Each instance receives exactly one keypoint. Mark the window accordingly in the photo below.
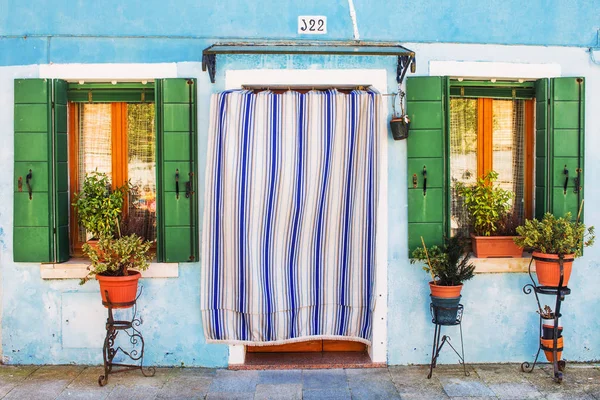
(119, 140)
(491, 134)
(42, 229)
(462, 128)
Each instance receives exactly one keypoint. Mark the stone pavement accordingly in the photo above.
(503, 381)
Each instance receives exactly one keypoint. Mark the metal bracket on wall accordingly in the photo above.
(209, 61)
(404, 62)
(406, 57)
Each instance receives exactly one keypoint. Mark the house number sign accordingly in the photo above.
(312, 25)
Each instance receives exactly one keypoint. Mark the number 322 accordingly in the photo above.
(313, 25)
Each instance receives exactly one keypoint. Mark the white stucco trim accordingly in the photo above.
(78, 268)
(377, 78)
(108, 72)
(497, 70)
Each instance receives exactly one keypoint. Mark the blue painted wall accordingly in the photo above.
(500, 323)
(112, 31)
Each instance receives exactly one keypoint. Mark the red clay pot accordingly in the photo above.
(549, 343)
(495, 246)
(548, 272)
(445, 291)
(121, 289)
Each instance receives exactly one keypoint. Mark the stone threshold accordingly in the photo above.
(326, 360)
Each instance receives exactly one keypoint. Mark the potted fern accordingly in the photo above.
(552, 240)
(489, 210)
(448, 267)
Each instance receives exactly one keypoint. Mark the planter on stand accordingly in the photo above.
(495, 246)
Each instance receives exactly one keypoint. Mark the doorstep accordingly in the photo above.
(317, 360)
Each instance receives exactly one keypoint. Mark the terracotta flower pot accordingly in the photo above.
(121, 289)
(445, 291)
(547, 268)
(549, 344)
(495, 246)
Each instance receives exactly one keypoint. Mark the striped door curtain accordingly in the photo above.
(290, 216)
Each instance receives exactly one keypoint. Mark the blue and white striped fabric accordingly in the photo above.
(289, 222)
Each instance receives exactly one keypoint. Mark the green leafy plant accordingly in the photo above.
(98, 207)
(554, 235)
(115, 257)
(448, 265)
(486, 204)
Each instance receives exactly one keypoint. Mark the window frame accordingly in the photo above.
(119, 157)
(485, 144)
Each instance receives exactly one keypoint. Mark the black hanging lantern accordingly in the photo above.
(400, 124)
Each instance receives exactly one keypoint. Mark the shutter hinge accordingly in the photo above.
(548, 101)
(52, 105)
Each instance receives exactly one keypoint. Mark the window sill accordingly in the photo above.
(76, 268)
(502, 265)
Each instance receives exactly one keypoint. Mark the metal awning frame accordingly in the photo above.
(405, 57)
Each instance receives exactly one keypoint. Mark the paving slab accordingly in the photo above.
(326, 394)
(226, 381)
(280, 377)
(465, 387)
(133, 392)
(515, 390)
(185, 386)
(412, 381)
(291, 391)
(324, 379)
(46, 382)
(500, 373)
(11, 376)
(230, 396)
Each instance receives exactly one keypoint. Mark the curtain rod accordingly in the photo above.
(306, 87)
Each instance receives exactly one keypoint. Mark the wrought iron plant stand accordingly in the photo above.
(128, 327)
(560, 292)
(439, 341)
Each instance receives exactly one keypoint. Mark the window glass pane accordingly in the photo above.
(463, 157)
(94, 144)
(508, 151)
(141, 170)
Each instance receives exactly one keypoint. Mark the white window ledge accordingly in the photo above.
(76, 268)
(502, 265)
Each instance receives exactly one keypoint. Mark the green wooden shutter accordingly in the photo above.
(177, 152)
(426, 100)
(542, 92)
(41, 222)
(566, 140)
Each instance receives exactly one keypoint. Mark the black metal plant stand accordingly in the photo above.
(439, 341)
(129, 327)
(560, 292)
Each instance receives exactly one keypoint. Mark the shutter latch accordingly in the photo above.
(424, 180)
(177, 183)
(28, 182)
(577, 181)
(566, 172)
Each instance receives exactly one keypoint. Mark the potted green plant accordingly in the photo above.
(448, 267)
(554, 240)
(489, 209)
(98, 207)
(116, 263)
